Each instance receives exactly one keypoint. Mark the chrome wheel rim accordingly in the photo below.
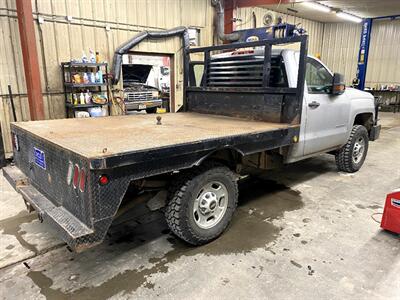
(358, 150)
(210, 204)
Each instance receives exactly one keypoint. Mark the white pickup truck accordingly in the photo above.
(340, 123)
(244, 109)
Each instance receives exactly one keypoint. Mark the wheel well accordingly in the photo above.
(228, 156)
(364, 119)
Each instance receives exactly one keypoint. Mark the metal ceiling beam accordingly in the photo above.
(251, 3)
(30, 58)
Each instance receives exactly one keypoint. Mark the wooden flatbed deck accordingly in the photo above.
(101, 137)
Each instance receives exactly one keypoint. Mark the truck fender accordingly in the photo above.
(363, 117)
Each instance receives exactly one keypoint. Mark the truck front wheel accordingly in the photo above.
(352, 155)
(202, 204)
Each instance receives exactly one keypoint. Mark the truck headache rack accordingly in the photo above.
(239, 85)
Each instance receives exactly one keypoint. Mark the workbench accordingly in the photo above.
(388, 100)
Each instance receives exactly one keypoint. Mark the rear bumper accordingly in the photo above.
(375, 132)
(69, 228)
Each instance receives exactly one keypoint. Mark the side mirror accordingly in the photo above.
(338, 84)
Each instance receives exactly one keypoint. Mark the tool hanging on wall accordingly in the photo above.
(12, 102)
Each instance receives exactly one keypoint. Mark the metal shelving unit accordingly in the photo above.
(70, 88)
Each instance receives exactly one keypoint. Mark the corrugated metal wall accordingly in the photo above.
(384, 56)
(314, 29)
(341, 44)
(59, 40)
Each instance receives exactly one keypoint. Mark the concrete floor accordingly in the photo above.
(302, 232)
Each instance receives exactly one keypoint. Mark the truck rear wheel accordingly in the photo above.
(202, 204)
(352, 155)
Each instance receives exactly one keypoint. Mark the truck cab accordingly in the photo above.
(328, 116)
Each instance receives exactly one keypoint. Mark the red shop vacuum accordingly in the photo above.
(391, 213)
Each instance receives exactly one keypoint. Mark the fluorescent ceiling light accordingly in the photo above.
(317, 6)
(348, 17)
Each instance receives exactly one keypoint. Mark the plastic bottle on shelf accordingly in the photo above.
(97, 77)
(82, 98)
(85, 78)
(97, 57)
(75, 99)
(84, 57)
(88, 97)
(100, 75)
(92, 56)
(92, 78)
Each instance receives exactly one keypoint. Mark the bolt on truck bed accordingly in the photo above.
(75, 172)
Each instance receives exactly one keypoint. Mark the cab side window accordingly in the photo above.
(318, 78)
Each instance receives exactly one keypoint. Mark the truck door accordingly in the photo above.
(327, 114)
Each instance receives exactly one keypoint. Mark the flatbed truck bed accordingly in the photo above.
(95, 138)
(125, 149)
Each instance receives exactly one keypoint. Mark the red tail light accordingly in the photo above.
(103, 180)
(75, 180)
(82, 181)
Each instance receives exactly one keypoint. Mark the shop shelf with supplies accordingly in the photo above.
(84, 79)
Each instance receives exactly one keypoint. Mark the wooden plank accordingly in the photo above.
(115, 133)
(3, 60)
(100, 36)
(132, 13)
(11, 4)
(3, 3)
(44, 6)
(74, 29)
(51, 56)
(41, 57)
(58, 106)
(121, 17)
(5, 127)
(46, 107)
(19, 85)
(25, 115)
(8, 73)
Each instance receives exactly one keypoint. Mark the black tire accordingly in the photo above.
(151, 110)
(344, 157)
(179, 211)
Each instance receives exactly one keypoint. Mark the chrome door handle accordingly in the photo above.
(313, 104)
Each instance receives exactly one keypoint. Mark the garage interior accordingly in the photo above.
(86, 74)
(147, 79)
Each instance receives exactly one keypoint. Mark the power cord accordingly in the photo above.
(372, 217)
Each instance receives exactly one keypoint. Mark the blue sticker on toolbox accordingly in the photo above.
(40, 158)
